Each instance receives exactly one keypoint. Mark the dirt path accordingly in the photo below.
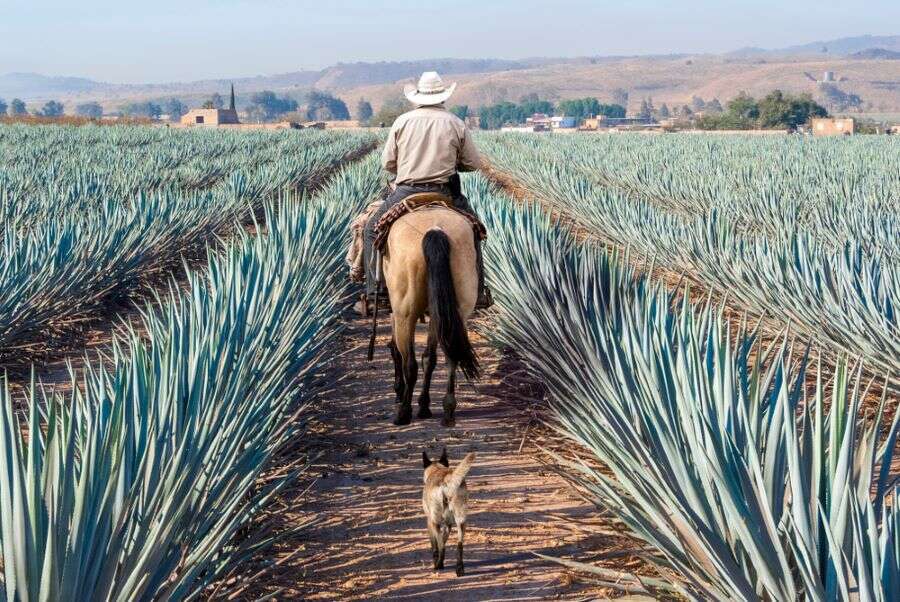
(370, 541)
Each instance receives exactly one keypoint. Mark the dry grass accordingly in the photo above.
(669, 80)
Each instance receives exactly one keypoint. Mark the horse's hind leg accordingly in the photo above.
(404, 332)
(450, 398)
(429, 360)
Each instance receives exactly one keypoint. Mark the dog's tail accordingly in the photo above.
(455, 479)
(442, 305)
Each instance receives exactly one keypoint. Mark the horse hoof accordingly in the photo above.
(460, 571)
(449, 422)
(424, 412)
(404, 416)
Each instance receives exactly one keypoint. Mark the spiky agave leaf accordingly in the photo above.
(77, 235)
(813, 251)
(710, 463)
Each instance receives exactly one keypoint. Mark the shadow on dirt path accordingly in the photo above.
(365, 492)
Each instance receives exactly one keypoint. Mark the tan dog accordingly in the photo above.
(444, 500)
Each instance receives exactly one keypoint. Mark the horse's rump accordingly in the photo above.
(403, 254)
(409, 229)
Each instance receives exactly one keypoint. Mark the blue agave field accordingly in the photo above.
(745, 434)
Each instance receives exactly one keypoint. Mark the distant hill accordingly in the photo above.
(30, 85)
(877, 54)
(846, 46)
(351, 75)
(674, 81)
(859, 65)
(33, 86)
(837, 47)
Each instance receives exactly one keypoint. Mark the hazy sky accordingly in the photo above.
(167, 40)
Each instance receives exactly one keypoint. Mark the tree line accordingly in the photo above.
(776, 110)
(648, 110)
(509, 113)
(498, 114)
(17, 108)
(262, 106)
(94, 110)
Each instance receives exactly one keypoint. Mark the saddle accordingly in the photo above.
(418, 201)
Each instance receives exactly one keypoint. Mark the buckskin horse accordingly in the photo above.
(429, 264)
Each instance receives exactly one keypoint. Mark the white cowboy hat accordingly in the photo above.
(430, 90)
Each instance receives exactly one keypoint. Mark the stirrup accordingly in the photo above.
(384, 299)
(384, 302)
(365, 305)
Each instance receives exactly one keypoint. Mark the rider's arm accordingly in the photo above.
(389, 154)
(469, 159)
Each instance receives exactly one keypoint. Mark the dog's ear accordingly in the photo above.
(443, 459)
(425, 461)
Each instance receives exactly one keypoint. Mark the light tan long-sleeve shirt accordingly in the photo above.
(428, 145)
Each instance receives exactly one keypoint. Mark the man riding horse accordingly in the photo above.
(425, 150)
(429, 243)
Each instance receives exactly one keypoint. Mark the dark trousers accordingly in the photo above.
(401, 192)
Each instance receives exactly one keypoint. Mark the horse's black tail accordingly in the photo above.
(442, 305)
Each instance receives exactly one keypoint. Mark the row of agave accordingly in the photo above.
(134, 486)
(748, 478)
(838, 292)
(61, 170)
(67, 262)
(838, 190)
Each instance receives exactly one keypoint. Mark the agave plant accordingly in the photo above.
(134, 486)
(733, 175)
(777, 246)
(73, 237)
(844, 533)
(719, 455)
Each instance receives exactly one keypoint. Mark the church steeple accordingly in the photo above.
(231, 104)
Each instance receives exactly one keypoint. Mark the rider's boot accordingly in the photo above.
(362, 306)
